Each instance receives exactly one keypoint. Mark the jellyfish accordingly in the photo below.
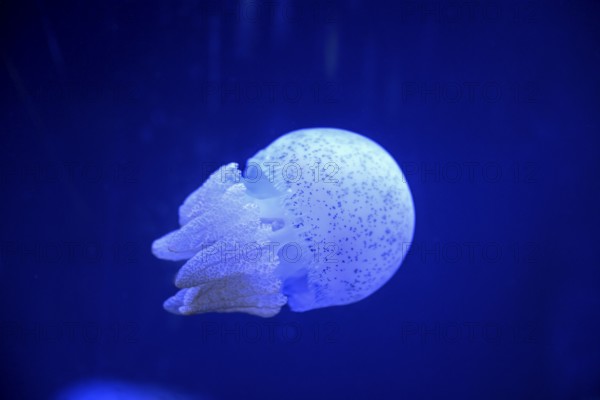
(321, 217)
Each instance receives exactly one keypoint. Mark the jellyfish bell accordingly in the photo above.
(320, 217)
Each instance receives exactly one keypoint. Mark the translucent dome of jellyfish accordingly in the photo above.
(321, 217)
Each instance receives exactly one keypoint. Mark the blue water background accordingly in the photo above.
(114, 111)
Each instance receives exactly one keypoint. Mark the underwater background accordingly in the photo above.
(114, 111)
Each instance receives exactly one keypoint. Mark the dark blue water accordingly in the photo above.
(112, 112)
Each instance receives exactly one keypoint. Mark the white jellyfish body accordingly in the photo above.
(321, 217)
